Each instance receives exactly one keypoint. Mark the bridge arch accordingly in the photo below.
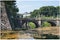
(33, 21)
(52, 23)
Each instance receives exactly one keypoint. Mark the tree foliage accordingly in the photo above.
(34, 13)
(58, 9)
(12, 10)
(46, 11)
(11, 5)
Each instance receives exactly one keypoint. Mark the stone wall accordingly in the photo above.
(5, 24)
(0, 15)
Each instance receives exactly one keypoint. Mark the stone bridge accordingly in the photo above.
(37, 22)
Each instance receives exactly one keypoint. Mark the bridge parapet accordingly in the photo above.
(48, 19)
(55, 19)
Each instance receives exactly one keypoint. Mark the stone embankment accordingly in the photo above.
(38, 33)
(46, 33)
(5, 24)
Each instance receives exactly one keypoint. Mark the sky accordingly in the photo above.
(30, 5)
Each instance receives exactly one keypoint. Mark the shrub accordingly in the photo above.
(46, 24)
(31, 25)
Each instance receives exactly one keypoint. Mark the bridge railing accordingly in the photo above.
(47, 18)
(42, 18)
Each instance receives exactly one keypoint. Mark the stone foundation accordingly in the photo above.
(5, 24)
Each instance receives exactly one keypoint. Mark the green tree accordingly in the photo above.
(47, 11)
(11, 5)
(34, 13)
(58, 10)
(11, 10)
